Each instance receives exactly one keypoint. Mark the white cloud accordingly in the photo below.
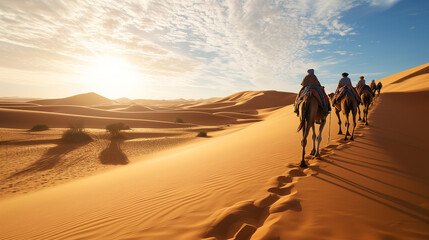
(383, 3)
(341, 52)
(228, 44)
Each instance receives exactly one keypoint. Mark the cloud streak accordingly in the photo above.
(231, 44)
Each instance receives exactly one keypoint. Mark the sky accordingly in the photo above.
(165, 49)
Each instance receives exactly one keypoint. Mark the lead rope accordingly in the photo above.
(329, 134)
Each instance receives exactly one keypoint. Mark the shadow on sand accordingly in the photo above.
(113, 154)
(387, 200)
(51, 158)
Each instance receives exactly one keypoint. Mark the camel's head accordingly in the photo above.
(331, 96)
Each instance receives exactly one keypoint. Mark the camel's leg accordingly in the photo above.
(319, 137)
(346, 110)
(366, 114)
(305, 132)
(347, 124)
(339, 121)
(354, 123)
(313, 151)
(359, 113)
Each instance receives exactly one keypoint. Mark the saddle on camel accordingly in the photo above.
(361, 86)
(345, 86)
(311, 85)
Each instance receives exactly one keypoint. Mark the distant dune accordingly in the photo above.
(124, 100)
(247, 102)
(136, 108)
(85, 99)
(96, 111)
(17, 99)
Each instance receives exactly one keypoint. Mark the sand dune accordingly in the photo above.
(248, 102)
(92, 108)
(25, 119)
(246, 185)
(86, 113)
(85, 99)
(136, 108)
(17, 104)
(124, 100)
(414, 79)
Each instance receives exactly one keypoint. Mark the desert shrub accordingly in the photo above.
(179, 120)
(76, 133)
(115, 128)
(39, 127)
(202, 134)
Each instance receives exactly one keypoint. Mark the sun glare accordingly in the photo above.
(112, 77)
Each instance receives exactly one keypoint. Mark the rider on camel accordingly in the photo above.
(345, 81)
(309, 81)
(361, 82)
(372, 85)
(360, 86)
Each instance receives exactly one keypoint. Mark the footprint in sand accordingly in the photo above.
(282, 191)
(290, 203)
(241, 220)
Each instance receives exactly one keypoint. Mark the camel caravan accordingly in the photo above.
(312, 106)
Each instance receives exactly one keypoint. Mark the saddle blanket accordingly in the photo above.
(318, 93)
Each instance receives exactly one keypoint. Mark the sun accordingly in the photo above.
(112, 77)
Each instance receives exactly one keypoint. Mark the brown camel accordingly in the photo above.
(366, 97)
(347, 104)
(310, 113)
(378, 88)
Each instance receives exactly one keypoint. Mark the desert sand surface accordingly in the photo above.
(245, 183)
(35, 160)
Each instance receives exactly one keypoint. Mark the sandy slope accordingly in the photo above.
(31, 161)
(189, 186)
(189, 117)
(414, 79)
(245, 184)
(373, 188)
(13, 118)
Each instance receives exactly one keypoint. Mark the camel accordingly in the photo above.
(347, 104)
(373, 88)
(366, 97)
(378, 88)
(310, 113)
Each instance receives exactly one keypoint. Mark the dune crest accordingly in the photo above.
(414, 79)
(85, 99)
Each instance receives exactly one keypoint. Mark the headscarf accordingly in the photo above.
(310, 71)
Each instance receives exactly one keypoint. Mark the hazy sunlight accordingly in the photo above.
(112, 76)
